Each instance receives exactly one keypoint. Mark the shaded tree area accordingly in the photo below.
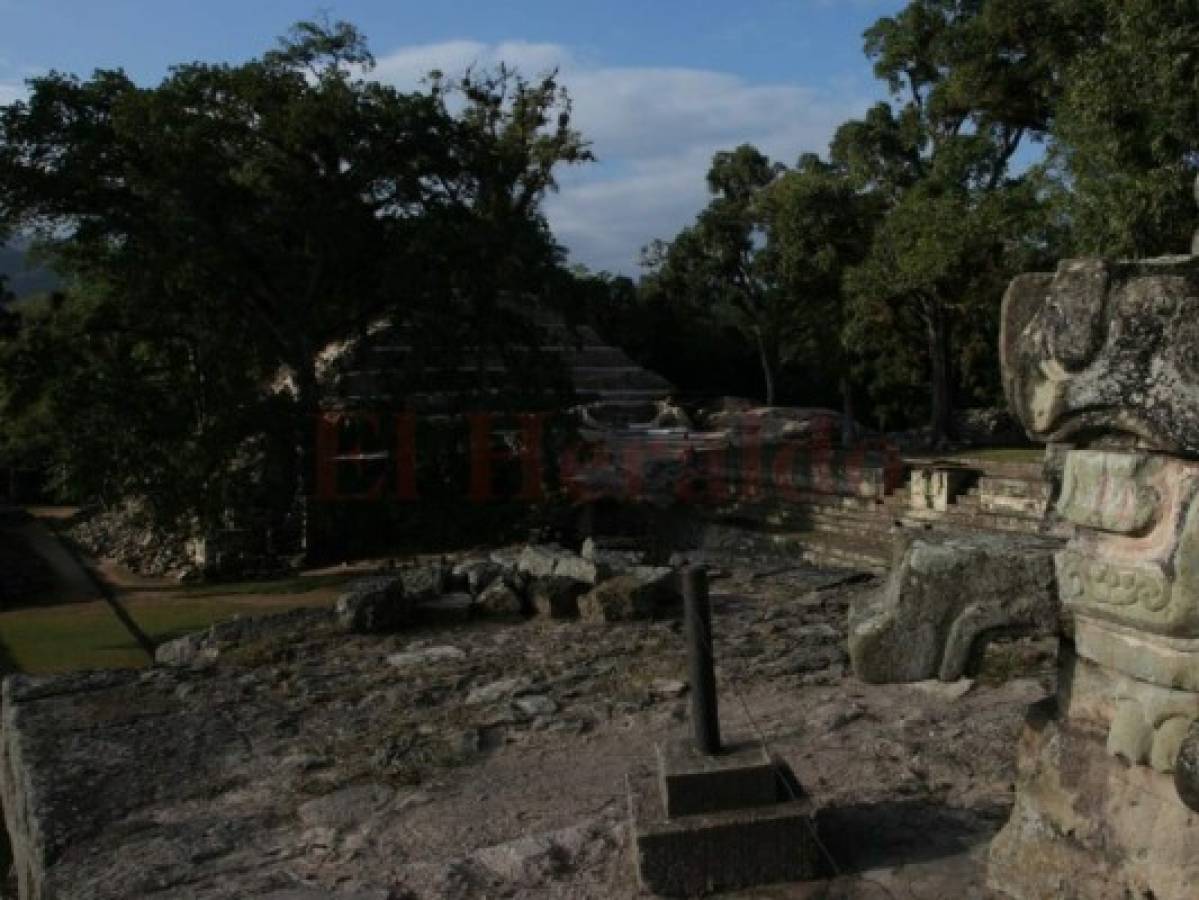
(1015, 134)
(216, 231)
(1126, 145)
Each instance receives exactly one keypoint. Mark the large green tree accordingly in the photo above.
(1126, 139)
(221, 228)
(972, 81)
(723, 265)
(817, 226)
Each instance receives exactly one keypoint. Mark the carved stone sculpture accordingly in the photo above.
(1104, 358)
(923, 625)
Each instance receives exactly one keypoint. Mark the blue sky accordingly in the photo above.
(659, 85)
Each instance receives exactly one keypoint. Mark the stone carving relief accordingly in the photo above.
(1103, 357)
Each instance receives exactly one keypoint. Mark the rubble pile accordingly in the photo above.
(125, 535)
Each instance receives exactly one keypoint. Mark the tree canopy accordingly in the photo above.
(219, 229)
(1015, 133)
(215, 231)
(1127, 136)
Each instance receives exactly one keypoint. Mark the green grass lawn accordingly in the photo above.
(1003, 454)
(75, 636)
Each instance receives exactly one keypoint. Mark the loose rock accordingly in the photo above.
(374, 605)
(426, 655)
(536, 705)
(497, 690)
(500, 600)
(641, 594)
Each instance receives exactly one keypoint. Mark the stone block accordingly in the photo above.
(507, 558)
(936, 487)
(723, 851)
(580, 569)
(616, 559)
(538, 561)
(557, 597)
(1014, 497)
(423, 583)
(478, 574)
(741, 776)
(643, 593)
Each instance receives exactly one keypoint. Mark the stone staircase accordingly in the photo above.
(858, 532)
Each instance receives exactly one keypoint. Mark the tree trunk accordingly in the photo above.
(304, 434)
(768, 365)
(848, 426)
(938, 351)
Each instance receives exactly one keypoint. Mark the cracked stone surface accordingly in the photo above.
(311, 763)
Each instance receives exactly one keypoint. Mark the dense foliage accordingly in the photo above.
(1016, 133)
(220, 229)
(217, 230)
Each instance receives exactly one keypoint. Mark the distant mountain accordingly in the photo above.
(23, 279)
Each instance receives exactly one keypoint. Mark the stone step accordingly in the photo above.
(833, 521)
(879, 516)
(876, 529)
(799, 503)
(981, 521)
(858, 551)
(1015, 487)
(624, 396)
(612, 378)
(1033, 470)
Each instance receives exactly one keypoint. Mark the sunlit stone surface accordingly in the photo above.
(1104, 358)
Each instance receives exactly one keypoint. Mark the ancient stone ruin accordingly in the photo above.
(1100, 362)
(1101, 359)
(459, 728)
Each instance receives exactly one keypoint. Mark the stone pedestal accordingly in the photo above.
(740, 776)
(1097, 811)
(719, 823)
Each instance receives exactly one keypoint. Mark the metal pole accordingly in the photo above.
(705, 721)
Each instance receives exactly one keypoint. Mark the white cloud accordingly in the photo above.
(11, 92)
(408, 65)
(654, 131)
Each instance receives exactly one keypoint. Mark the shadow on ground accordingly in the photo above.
(879, 835)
